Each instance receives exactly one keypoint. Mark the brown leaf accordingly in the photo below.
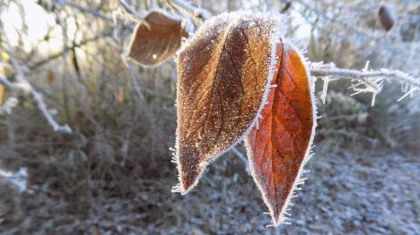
(1, 93)
(387, 17)
(222, 79)
(50, 77)
(279, 145)
(153, 46)
(286, 6)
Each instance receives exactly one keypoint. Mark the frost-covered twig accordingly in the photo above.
(70, 48)
(132, 77)
(195, 12)
(368, 80)
(132, 12)
(4, 81)
(20, 77)
(17, 179)
(87, 10)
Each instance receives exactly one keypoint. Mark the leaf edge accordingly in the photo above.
(308, 154)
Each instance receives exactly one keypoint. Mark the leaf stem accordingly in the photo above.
(195, 12)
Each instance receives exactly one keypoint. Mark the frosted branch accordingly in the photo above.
(17, 179)
(193, 11)
(132, 77)
(4, 81)
(20, 77)
(132, 12)
(87, 10)
(367, 80)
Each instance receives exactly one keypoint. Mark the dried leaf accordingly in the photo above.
(286, 6)
(153, 46)
(387, 17)
(222, 79)
(50, 77)
(280, 144)
(1, 93)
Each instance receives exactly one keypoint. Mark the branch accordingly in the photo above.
(17, 179)
(371, 81)
(87, 10)
(132, 12)
(199, 14)
(5, 81)
(74, 46)
(20, 77)
(132, 77)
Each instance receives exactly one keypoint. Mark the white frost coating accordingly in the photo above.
(8, 106)
(278, 32)
(194, 11)
(367, 80)
(17, 179)
(284, 216)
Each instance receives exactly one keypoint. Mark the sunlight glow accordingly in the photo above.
(38, 24)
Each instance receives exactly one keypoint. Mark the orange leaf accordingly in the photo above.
(280, 144)
(222, 79)
(1, 93)
(153, 46)
(121, 95)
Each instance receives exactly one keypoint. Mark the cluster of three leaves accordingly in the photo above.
(238, 78)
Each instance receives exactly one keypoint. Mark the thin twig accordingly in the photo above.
(20, 77)
(66, 49)
(132, 77)
(199, 14)
(87, 10)
(372, 80)
(4, 81)
(132, 12)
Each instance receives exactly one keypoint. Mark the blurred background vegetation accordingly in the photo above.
(113, 173)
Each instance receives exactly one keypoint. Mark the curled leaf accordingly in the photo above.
(286, 6)
(387, 17)
(279, 145)
(223, 78)
(153, 46)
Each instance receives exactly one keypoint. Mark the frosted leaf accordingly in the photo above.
(280, 146)
(223, 74)
(153, 46)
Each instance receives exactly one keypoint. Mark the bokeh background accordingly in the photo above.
(113, 173)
